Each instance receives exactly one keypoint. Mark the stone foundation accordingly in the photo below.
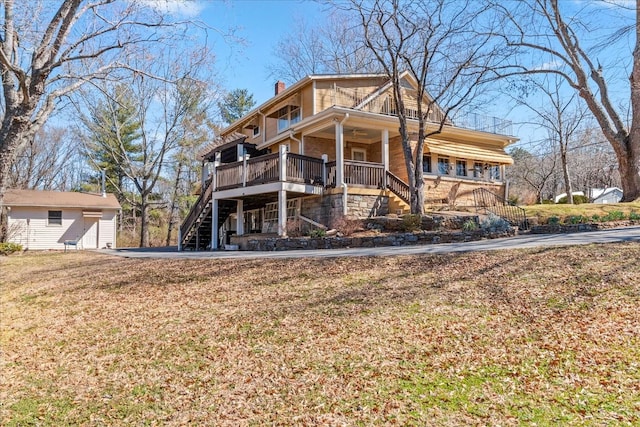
(325, 209)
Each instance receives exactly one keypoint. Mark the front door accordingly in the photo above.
(90, 236)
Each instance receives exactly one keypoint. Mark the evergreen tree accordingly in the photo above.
(235, 104)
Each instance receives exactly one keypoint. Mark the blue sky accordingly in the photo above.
(261, 24)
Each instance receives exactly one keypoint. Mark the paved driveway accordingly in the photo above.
(627, 234)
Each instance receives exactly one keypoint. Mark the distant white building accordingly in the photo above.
(560, 196)
(605, 195)
(48, 219)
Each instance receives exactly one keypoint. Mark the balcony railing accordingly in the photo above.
(267, 168)
(383, 104)
(358, 174)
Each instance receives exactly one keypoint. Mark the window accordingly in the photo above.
(359, 154)
(288, 116)
(256, 131)
(494, 172)
(443, 166)
(54, 218)
(477, 170)
(426, 164)
(461, 167)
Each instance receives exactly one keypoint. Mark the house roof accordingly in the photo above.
(60, 199)
(297, 85)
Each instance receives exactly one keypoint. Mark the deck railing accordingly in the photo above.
(304, 169)
(363, 174)
(261, 170)
(265, 169)
(357, 174)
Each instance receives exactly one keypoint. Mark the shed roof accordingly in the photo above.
(60, 199)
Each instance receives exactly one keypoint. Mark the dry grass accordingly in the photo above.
(547, 336)
(544, 212)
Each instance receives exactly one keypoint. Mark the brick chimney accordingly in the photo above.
(280, 87)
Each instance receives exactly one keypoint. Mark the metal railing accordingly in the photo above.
(492, 203)
(384, 104)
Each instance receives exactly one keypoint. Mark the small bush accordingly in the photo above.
(7, 248)
(634, 216)
(470, 225)
(614, 216)
(553, 220)
(294, 228)
(547, 202)
(577, 219)
(577, 200)
(513, 200)
(595, 218)
(346, 226)
(494, 222)
(411, 222)
(317, 232)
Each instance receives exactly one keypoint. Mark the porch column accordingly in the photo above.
(282, 213)
(283, 162)
(240, 151)
(216, 163)
(214, 224)
(339, 154)
(205, 173)
(385, 154)
(240, 218)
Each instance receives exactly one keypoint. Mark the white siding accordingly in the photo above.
(28, 227)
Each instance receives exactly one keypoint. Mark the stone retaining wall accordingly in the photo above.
(396, 239)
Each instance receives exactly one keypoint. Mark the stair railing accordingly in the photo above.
(196, 209)
(492, 203)
(399, 187)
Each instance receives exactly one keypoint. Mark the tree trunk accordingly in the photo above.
(144, 222)
(629, 165)
(565, 173)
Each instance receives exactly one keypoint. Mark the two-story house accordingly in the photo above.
(328, 147)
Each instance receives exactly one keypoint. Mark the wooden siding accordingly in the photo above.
(38, 235)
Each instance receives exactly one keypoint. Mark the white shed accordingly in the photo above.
(48, 219)
(606, 195)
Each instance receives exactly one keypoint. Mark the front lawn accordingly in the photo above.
(587, 210)
(546, 336)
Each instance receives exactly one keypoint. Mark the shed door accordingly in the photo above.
(90, 236)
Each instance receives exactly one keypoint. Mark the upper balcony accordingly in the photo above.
(383, 104)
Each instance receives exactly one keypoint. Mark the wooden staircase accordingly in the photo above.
(399, 195)
(196, 229)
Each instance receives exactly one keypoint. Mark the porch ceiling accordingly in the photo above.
(353, 132)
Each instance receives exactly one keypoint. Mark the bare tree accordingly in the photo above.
(49, 49)
(332, 46)
(439, 43)
(541, 29)
(560, 117)
(532, 172)
(160, 106)
(49, 161)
